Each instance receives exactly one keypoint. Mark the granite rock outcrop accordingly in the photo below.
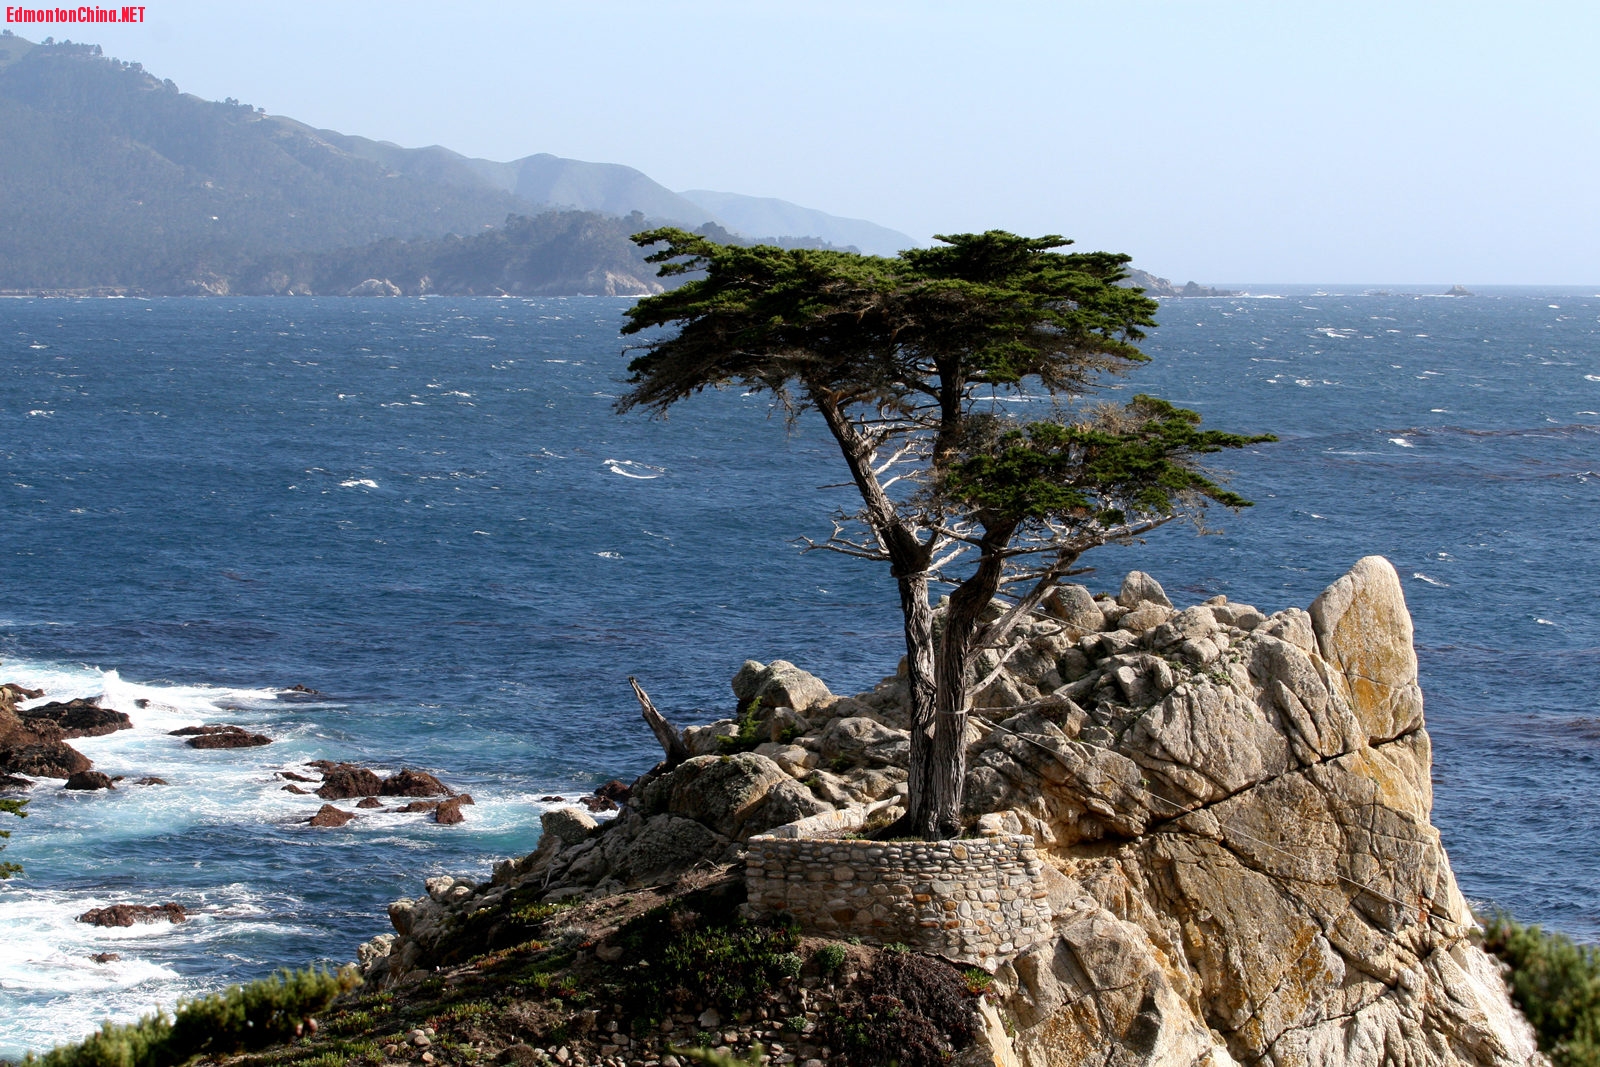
(1233, 810)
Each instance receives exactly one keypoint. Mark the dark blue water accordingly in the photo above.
(428, 511)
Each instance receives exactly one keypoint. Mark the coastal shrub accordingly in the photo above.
(241, 1018)
(698, 948)
(917, 1011)
(1556, 983)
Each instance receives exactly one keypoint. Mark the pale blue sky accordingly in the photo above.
(1420, 143)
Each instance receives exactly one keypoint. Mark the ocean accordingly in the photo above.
(427, 511)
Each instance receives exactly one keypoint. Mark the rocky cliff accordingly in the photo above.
(1233, 806)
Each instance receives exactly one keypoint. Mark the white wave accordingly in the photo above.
(1586, 377)
(351, 483)
(37, 345)
(1402, 442)
(1543, 622)
(609, 555)
(630, 469)
(1430, 580)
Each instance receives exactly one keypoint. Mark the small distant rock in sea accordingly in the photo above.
(292, 788)
(298, 692)
(369, 802)
(89, 780)
(150, 780)
(346, 781)
(328, 815)
(449, 811)
(223, 736)
(1458, 290)
(106, 957)
(410, 783)
(128, 914)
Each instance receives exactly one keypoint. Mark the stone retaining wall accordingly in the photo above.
(979, 900)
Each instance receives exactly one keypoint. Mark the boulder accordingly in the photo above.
(128, 914)
(411, 783)
(346, 781)
(328, 815)
(88, 781)
(734, 796)
(78, 718)
(1074, 606)
(779, 684)
(568, 825)
(598, 804)
(296, 790)
(45, 759)
(150, 780)
(862, 740)
(364, 802)
(1139, 588)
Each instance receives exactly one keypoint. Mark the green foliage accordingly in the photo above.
(916, 1012)
(749, 734)
(9, 806)
(829, 958)
(1556, 984)
(978, 980)
(241, 1018)
(1121, 465)
(699, 950)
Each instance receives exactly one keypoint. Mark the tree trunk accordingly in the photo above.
(957, 645)
(671, 742)
(909, 557)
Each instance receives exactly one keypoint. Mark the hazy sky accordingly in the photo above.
(1393, 142)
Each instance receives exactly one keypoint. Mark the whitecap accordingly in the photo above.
(38, 345)
(41, 411)
(1586, 377)
(1543, 622)
(1402, 442)
(609, 555)
(630, 469)
(1430, 580)
(351, 483)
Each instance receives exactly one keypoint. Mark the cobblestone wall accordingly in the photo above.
(978, 900)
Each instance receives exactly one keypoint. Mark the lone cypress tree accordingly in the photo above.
(910, 362)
